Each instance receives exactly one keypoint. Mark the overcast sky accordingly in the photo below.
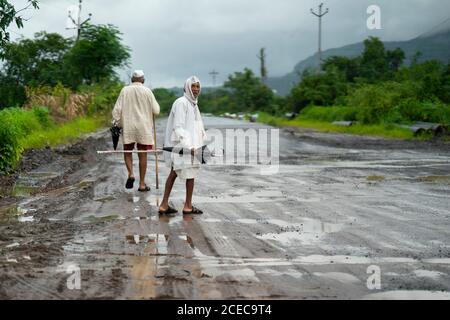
(174, 39)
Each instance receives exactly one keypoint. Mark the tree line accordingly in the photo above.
(376, 85)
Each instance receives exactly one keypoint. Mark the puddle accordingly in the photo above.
(94, 219)
(435, 275)
(160, 240)
(434, 179)
(35, 180)
(375, 178)
(13, 245)
(409, 295)
(338, 276)
(257, 197)
(307, 231)
(105, 199)
(211, 220)
(275, 273)
(26, 219)
(15, 213)
(83, 244)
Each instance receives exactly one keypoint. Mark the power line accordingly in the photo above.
(434, 28)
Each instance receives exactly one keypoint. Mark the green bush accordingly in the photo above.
(43, 116)
(104, 96)
(376, 102)
(15, 125)
(329, 114)
(10, 133)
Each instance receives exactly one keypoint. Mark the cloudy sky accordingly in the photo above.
(173, 39)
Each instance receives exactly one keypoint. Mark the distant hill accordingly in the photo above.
(434, 45)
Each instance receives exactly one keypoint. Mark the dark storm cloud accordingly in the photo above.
(173, 39)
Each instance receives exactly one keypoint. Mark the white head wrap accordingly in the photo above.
(188, 89)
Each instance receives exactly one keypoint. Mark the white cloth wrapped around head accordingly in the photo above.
(188, 89)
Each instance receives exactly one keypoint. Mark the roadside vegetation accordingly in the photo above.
(54, 89)
(375, 91)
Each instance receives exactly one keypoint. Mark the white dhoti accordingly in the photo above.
(188, 173)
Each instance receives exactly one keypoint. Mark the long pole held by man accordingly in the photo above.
(156, 154)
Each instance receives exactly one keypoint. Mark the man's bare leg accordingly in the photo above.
(129, 163)
(167, 190)
(142, 169)
(189, 192)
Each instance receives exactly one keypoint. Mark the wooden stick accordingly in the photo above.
(156, 153)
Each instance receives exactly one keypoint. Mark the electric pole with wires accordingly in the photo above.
(214, 75)
(76, 21)
(320, 15)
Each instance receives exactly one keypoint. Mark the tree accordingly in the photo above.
(248, 93)
(395, 59)
(320, 89)
(9, 14)
(49, 58)
(95, 56)
(445, 92)
(36, 61)
(31, 62)
(263, 69)
(165, 99)
(374, 63)
(350, 67)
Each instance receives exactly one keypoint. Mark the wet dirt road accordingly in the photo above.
(340, 207)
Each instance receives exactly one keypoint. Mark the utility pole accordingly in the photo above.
(320, 15)
(78, 24)
(214, 75)
(262, 59)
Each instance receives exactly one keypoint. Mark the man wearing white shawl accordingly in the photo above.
(184, 130)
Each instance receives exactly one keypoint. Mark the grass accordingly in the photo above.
(62, 134)
(379, 130)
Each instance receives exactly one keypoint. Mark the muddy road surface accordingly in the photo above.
(344, 218)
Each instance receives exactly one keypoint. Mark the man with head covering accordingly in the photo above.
(134, 112)
(184, 130)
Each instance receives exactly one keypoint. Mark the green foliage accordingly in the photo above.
(248, 93)
(62, 134)
(321, 89)
(376, 101)
(22, 129)
(95, 56)
(15, 124)
(329, 114)
(104, 96)
(50, 59)
(349, 67)
(42, 114)
(380, 130)
(165, 98)
(10, 14)
(413, 110)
